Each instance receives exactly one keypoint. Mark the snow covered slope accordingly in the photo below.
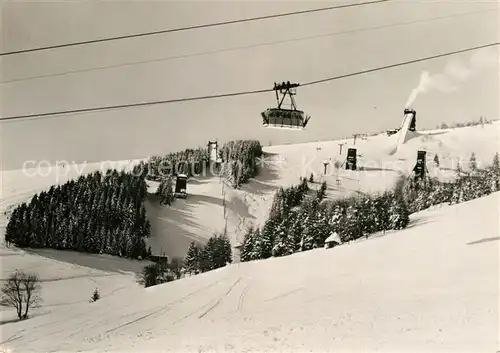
(68, 277)
(378, 168)
(202, 213)
(430, 288)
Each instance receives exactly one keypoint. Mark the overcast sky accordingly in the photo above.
(366, 103)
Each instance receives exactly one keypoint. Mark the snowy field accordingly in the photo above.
(70, 277)
(430, 288)
(67, 277)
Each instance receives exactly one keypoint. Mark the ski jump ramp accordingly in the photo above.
(404, 133)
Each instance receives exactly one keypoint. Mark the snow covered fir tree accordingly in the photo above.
(300, 220)
(216, 253)
(96, 213)
(165, 191)
(239, 161)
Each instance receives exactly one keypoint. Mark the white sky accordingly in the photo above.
(366, 103)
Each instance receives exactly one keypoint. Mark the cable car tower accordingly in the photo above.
(285, 118)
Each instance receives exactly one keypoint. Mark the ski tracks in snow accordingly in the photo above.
(242, 297)
(158, 311)
(283, 295)
(217, 303)
(167, 306)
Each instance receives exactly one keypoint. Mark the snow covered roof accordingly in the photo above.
(182, 175)
(152, 186)
(333, 237)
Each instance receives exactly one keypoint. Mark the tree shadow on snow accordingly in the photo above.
(484, 240)
(263, 182)
(9, 321)
(199, 180)
(173, 228)
(258, 187)
(237, 206)
(434, 133)
(107, 263)
(269, 154)
(418, 222)
(375, 169)
(267, 173)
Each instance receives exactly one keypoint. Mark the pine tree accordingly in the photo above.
(265, 243)
(151, 275)
(236, 174)
(192, 259)
(297, 228)
(96, 296)
(382, 210)
(159, 191)
(165, 191)
(248, 245)
(239, 161)
(226, 252)
(458, 169)
(307, 241)
(323, 228)
(351, 226)
(169, 191)
(218, 251)
(473, 162)
(303, 187)
(336, 218)
(205, 262)
(367, 216)
(495, 172)
(436, 160)
(84, 215)
(321, 193)
(496, 163)
(400, 215)
(283, 242)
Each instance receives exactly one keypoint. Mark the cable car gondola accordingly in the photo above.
(285, 118)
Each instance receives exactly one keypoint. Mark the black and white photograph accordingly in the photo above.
(249, 176)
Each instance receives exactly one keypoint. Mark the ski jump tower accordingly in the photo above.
(408, 128)
(213, 156)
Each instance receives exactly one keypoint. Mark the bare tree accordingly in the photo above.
(22, 292)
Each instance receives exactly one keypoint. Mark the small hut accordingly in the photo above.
(160, 259)
(180, 186)
(332, 241)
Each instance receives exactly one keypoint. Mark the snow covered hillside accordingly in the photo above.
(68, 277)
(432, 287)
(198, 217)
(379, 165)
(202, 213)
